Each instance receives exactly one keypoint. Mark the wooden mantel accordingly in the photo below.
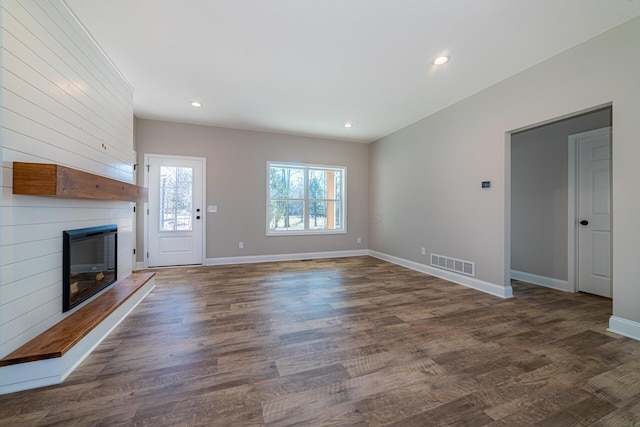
(42, 179)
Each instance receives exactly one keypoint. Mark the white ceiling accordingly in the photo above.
(306, 67)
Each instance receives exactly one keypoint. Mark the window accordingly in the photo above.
(305, 199)
(176, 198)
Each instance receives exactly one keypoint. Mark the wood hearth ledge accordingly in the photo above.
(42, 179)
(51, 356)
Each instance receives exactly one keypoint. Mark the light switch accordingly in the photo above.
(212, 208)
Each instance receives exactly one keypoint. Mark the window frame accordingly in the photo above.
(307, 200)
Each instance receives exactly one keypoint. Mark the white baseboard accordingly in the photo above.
(284, 257)
(470, 282)
(41, 373)
(547, 282)
(624, 327)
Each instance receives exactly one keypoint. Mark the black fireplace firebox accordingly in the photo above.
(89, 263)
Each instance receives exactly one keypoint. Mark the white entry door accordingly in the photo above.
(594, 212)
(175, 215)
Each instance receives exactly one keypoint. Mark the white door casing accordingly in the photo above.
(175, 217)
(134, 207)
(592, 219)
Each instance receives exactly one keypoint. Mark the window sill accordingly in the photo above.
(305, 233)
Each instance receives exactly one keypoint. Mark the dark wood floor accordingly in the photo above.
(346, 342)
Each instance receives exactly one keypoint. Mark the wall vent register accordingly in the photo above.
(452, 264)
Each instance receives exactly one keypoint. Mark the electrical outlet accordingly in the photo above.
(423, 251)
(359, 240)
(241, 245)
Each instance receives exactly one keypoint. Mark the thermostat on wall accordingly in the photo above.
(486, 184)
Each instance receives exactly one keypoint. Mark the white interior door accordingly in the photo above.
(175, 215)
(594, 212)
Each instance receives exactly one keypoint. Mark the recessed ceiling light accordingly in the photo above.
(348, 125)
(441, 60)
(196, 104)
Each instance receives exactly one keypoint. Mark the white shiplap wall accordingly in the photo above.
(61, 101)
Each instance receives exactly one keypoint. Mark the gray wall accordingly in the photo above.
(539, 198)
(236, 183)
(425, 178)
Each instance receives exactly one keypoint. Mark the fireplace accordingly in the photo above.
(89, 263)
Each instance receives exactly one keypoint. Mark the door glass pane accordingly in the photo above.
(176, 198)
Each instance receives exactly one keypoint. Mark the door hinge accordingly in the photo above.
(134, 251)
(147, 211)
(147, 254)
(134, 209)
(148, 168)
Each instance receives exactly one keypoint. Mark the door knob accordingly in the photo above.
(584, 222)
(198, 217)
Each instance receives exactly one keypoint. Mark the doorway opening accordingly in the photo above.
(542, 200)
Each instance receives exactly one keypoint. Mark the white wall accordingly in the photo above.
(539, 194)
(61, 100)
(425, 179)
(236, 183)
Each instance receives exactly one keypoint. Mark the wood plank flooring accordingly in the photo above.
(346, 342)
